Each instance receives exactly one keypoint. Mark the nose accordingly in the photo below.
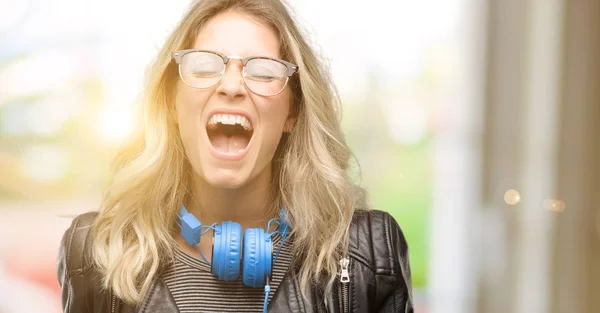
(232, 84)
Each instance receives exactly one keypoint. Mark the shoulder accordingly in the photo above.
(75, 241)
(376, 240)
(81, 284)
(379, 255)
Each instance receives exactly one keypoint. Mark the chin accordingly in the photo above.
(225, 179)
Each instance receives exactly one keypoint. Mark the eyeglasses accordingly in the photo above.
(264, 76)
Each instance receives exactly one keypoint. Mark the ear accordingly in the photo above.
(172, 107)
(289, 124)
(172, 95)
(173, 113)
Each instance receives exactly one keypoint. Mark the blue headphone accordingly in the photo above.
(257, 251)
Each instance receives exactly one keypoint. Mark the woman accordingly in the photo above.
(235, 196)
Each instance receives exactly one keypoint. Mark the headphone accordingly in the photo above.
(257, 253)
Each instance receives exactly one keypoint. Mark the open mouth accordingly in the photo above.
(229, 133)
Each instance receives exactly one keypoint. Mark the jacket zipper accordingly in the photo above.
(344, 280)
(112, 303)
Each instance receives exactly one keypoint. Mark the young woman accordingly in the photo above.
(235, 196)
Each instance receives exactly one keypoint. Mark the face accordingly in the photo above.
(224, 155)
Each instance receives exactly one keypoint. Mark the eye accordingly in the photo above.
(263, 78)
(202, 65)
(265, 70)
(204, 73)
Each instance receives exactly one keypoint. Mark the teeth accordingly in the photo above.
(230, 119)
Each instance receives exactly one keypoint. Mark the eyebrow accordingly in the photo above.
(243, 55)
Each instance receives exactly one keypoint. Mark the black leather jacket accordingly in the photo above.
(379, 275)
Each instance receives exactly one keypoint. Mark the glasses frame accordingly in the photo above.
(291, 68)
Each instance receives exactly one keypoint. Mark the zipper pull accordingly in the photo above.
(345, 276)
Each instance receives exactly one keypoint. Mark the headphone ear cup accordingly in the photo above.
(257, 257)
(226, 251)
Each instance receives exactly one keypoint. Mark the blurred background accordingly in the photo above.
(476, 124)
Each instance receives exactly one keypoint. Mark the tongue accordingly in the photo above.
(228, 144)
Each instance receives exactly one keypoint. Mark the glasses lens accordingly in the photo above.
(201, 69)
(265, 77)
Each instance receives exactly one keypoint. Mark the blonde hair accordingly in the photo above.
(133, 232)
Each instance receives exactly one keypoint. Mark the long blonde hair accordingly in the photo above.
(133, 232)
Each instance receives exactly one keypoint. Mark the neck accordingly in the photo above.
(249, 205)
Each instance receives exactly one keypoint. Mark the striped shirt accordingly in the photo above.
(195, 289)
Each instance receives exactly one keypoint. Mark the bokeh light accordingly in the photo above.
(554, 205)
(512, 197)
